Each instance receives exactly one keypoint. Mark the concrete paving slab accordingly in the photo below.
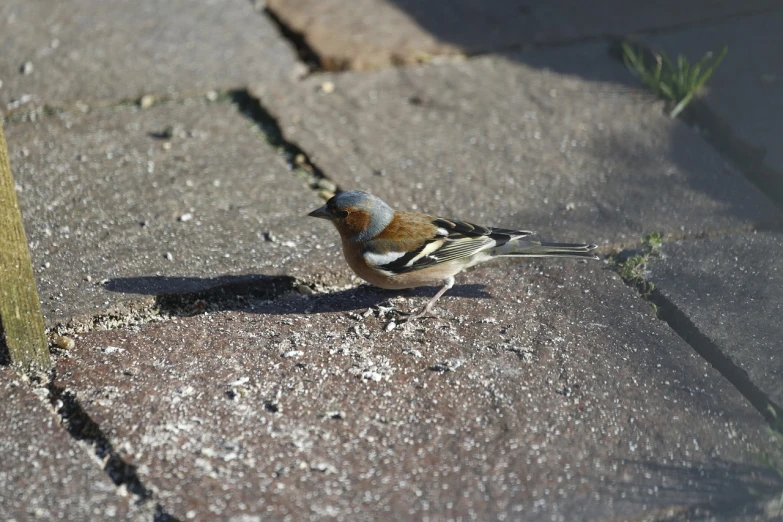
(107, 198)
(544, 392)
(729, 288)
(747, 89)
(58, 53)
(44, 474)
(499, 143)
(367, 34)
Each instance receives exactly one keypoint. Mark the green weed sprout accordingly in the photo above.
(678, 82)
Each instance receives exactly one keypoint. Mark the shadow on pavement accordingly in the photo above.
(259, 293)
(573, 39)
(723, 488)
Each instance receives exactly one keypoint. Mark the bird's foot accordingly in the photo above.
(423, 314)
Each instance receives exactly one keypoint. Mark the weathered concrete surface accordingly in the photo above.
(365, 34)
(106, 201)
(730, 289)
(747, 88)
(44, 475)
(112, 50)
(550, 393)
(499, 143)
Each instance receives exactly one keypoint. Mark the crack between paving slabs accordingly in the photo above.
(304, 51)
(297, 160)
(709, 350)
(84, 430)
(680, 323)
(81, 427)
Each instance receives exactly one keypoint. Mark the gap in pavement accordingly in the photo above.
(704, 346)
(304, 52)
(681, 324)
(82, 428)
(297, 159)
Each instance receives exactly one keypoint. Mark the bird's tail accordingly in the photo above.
(527, 248)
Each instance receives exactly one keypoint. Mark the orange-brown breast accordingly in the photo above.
(354, 255)
(432, 275)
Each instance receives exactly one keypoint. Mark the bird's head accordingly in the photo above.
(357, 215)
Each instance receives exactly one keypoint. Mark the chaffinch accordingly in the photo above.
(397, 249)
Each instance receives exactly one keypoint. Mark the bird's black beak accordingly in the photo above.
(321, 212)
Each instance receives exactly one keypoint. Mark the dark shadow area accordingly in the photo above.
(257, 293)
(513, 29)
(498, 25)
(251, 285)
(745, 156)
(720, 488)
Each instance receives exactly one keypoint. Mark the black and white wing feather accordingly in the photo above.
(454, 240)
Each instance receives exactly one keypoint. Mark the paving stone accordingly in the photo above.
(543, 392)
(44, 474)
(373, 33)
(499, 143)
(106, 199)
(729, 287)
(747, 88)
(114, 50)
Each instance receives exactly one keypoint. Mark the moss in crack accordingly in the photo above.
(630, 265)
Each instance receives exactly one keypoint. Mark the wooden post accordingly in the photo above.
(21, 324)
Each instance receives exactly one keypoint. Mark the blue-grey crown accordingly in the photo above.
(381, 214)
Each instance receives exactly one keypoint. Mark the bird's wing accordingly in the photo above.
(453, 240)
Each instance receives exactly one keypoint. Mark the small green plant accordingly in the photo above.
(631, 270)
(679, 82)
(652, 242)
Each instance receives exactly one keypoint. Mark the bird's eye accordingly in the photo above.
(342, 213)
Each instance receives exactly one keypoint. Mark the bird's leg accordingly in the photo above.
(428, 308)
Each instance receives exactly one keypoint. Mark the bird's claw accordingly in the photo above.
(424, 314)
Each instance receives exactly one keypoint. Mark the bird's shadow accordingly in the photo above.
(266, 294)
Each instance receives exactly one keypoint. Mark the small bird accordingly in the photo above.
(395, 249)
